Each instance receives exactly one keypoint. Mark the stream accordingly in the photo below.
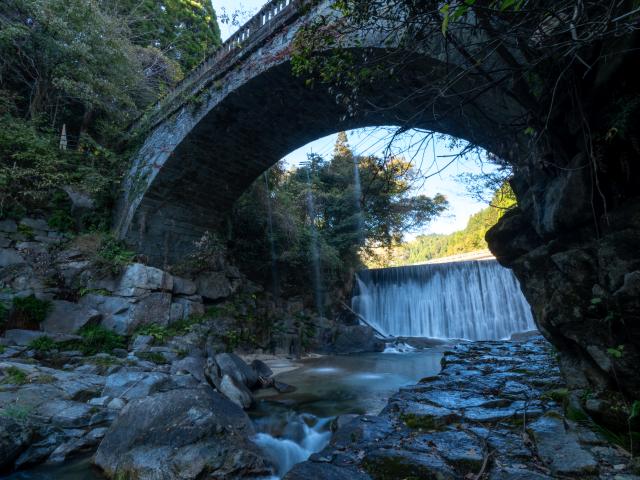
(292, 426)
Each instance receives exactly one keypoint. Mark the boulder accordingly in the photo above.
(232, 365)
(196, 432)
(237, 392)
(68, 317)
(123, 315)
(137, 277)
(15, 437)
(22, 337)
(193, 365)
(356, 339)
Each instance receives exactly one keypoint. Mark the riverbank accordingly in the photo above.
(497, 410)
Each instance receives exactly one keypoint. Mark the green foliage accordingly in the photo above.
(281, 217)
(162, 334)
(186, 29)
(112, 256)
(616, 352)
(30, 310)
(95, 339)
(14, 376)
(43, 344)
(428, 247)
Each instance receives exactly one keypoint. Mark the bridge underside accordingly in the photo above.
(260, 122)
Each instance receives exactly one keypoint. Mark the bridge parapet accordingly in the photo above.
(273, 15)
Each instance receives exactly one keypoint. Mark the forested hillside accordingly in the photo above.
(428, 247)
(73, 75)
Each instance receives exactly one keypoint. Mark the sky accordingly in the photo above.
(371, 142)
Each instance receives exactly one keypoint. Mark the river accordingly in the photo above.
(292, 426)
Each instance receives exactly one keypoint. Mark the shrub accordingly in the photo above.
(30, 310)
(14, 376)
(43, 344)
(97, 339)
(112, 256)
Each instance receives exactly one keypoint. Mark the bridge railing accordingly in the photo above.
(253, 30)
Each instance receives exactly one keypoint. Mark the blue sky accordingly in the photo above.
(371, 142)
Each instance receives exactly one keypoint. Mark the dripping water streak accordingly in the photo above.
(272, 244)
(315, 253)
(465, 300)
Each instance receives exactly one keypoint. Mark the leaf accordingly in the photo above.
(444, 10)
(635, 410)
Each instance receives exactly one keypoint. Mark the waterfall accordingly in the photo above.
(473, 300)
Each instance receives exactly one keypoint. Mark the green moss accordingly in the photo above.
(30, 309)
(559, 395)
(394, 468)
(424, 422)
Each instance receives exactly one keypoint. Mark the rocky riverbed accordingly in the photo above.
(498, 410)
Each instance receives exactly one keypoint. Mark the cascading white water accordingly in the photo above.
(474, 300)
(291, 439)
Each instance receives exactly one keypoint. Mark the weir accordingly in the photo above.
(472, 300)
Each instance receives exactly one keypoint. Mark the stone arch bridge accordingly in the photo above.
(242, 110)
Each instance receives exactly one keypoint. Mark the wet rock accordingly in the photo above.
(390, 463)
(195, 432)
(460, 449)
(560, 449)
(15, 437)
(8, 226)
(68, 317)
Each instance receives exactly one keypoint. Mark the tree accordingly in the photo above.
(184, 30)
(347, 222)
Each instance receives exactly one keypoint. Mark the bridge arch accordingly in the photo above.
(246, 110)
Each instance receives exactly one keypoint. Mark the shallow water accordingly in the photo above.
(293, 426)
